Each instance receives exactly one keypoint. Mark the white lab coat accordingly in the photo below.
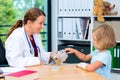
(18, 50)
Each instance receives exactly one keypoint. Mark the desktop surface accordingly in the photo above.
(65, 72)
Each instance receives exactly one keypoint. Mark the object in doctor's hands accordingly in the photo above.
(60, 57)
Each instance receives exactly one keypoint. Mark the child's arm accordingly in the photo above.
(94, 66)
(79, 54)
(91, 67)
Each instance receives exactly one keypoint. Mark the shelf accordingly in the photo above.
(76, 42)
(72, 16)
(110, 16)
(73, 39)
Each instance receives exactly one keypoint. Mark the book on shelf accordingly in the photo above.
(22, 75)
(86, 32)
(89, 31)
(60, 28)
(79, 24)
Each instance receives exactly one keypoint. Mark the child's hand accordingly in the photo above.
(69, 50)
(82, 65)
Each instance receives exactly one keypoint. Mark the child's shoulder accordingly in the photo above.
(94, 52)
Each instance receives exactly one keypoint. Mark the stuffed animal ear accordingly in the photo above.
(107, 8)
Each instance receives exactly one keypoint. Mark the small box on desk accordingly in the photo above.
(72, 58)
(22, 75)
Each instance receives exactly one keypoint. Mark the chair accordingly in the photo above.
(3, 61)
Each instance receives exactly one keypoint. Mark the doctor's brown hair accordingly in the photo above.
(32, 14)
(105, 36)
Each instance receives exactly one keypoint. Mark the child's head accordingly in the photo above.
(103, 37)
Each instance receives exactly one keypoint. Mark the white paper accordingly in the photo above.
(7, 70)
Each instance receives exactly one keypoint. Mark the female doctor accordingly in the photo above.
(23, 44)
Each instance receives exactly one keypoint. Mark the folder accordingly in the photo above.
(82, 7)
(118, 56)
(75, 7)
(86, 29)
(89, 32)
(69, 7)
(79, 6)
(67, 28)
(22, 75)
(86, 7)
(74, 29)
(84, 23)
(72, 7)
(65, 7)
(60, 7)
(115, 57)
(79, 29)
(90, 7)
(112, 54)
(60, 27)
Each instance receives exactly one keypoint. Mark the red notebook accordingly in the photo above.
(22, 75)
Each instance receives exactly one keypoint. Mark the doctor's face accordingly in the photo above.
(38, 24)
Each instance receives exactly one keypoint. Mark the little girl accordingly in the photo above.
(100, 59)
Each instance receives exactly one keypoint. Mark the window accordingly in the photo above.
(13, 10)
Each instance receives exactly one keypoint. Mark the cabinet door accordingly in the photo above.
(82, 48)
(72, 58)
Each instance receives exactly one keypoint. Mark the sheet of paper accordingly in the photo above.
(6, 70)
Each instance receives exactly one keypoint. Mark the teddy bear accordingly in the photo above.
(107, 8)
(98, 10)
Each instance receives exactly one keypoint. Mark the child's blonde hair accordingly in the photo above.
(105, 36)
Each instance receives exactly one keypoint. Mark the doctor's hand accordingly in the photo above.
(70, 50)
(42, 63)
(53, 54)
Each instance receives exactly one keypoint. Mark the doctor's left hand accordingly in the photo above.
(42, 63)
(52, 54)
